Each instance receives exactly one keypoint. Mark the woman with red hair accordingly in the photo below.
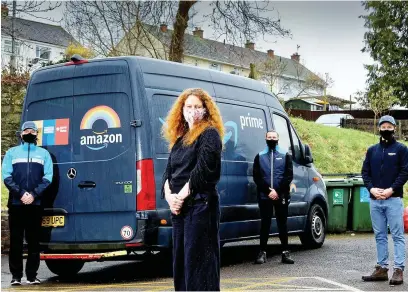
(194, 130)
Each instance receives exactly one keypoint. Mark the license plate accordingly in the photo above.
(53, 221)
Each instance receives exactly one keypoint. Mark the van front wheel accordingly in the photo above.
(64, 268)
(315, 232)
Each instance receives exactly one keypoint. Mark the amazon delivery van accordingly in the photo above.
(101, 121)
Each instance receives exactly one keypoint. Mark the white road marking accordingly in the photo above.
(349, 288)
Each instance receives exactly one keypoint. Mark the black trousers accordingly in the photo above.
(266, 207)
(196, 246)
(24, 221)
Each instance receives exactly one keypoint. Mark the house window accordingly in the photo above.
(215, 66)
(7, 47)
(238, 71)
(43, 53)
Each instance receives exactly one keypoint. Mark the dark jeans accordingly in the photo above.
(266, 207)
(24, 221)
(196, 246)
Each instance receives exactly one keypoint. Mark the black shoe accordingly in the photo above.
(286, 259)
(15, 282)
(33, 281)
(261, 259)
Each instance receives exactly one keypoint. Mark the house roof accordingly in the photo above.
(304, 100)
(333, 100)
(37, 31)
(226, 53)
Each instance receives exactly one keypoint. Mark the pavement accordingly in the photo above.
(337, 266)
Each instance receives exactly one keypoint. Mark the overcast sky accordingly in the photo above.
(330, 35)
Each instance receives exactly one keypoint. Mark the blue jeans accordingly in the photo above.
(384, 213)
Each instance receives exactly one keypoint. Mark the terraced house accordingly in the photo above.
(286, 77)
(36, 42)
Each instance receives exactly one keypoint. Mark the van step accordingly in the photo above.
(83, 256)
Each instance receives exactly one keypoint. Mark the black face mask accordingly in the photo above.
(387, 134)
(30, 138)
(272, 143)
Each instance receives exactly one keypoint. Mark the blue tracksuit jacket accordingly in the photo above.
(26, 168)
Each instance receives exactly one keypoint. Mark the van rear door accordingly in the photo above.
(49, 103)
(104, 189)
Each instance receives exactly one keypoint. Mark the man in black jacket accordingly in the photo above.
(385, 171)
(273, 173)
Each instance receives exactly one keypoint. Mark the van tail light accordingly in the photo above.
(146, 187)
(76, 63)
(76, 60)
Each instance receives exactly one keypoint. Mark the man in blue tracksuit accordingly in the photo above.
(385, 171)
(27, 171)
(273, 173)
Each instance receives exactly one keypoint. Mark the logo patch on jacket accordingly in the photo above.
(392, 154)
(279, 158)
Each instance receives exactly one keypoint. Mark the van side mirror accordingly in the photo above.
(308, 154)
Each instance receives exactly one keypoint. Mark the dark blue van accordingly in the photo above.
(101, 121)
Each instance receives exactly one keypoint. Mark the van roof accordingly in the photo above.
(150, 66)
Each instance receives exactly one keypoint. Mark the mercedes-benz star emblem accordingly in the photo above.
(71, 173)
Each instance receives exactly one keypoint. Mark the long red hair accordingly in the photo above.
(176, 126)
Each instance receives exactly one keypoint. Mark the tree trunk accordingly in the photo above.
(375, 123)
(180, 26)
(325, 99)
(252, 71)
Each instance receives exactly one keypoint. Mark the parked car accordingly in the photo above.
(333, 120)
(101, 121)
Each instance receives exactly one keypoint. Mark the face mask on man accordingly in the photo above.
(194, 115)
(29, 138)
(272, 143)
(387, 134)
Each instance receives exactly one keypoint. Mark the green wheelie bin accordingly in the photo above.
(338, 192)
(360, 204)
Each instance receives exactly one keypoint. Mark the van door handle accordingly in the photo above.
(86, 184)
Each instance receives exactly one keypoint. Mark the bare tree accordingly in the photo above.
(104, 24)
(271, 72)
(21, 9)
(307, 82)
(378, 101)
(378, 96)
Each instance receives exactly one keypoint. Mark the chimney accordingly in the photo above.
(271, 54)
(198, 32)
(4, 10)
(250, 45)
(295, 57)
(163, 27)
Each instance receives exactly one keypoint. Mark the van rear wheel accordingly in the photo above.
(315, 232)
(64, 268)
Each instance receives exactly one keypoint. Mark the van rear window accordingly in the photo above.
(101, 126)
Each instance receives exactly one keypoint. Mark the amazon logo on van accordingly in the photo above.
(100, 140)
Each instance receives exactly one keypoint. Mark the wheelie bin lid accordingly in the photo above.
(357, 181)
(338, 182)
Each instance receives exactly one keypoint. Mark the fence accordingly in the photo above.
(358, 114)
(367, 125)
